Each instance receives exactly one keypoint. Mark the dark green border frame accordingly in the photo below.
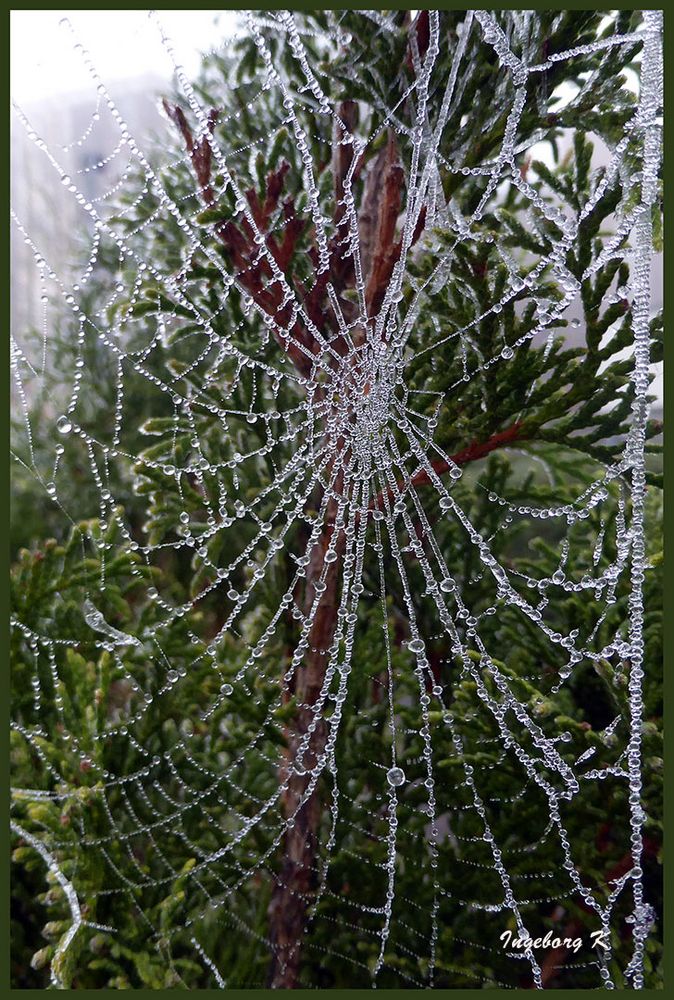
(668, 598)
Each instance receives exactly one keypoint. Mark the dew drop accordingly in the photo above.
(395, 777)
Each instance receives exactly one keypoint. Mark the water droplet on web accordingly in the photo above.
(63, 425)
(395, 777)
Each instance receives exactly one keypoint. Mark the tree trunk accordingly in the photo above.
(296, 884)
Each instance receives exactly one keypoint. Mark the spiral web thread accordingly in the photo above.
(354, 432)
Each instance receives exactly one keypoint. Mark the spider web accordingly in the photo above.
(299, 471)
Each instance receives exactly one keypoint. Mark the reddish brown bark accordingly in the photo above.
(200, 152)
(296, 881)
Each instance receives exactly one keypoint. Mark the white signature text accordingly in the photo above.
(597, 939)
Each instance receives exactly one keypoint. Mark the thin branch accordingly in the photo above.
(474, 452)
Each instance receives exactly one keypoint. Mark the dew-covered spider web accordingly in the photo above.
(299, 676)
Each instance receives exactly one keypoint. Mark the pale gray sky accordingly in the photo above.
(123, 44)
